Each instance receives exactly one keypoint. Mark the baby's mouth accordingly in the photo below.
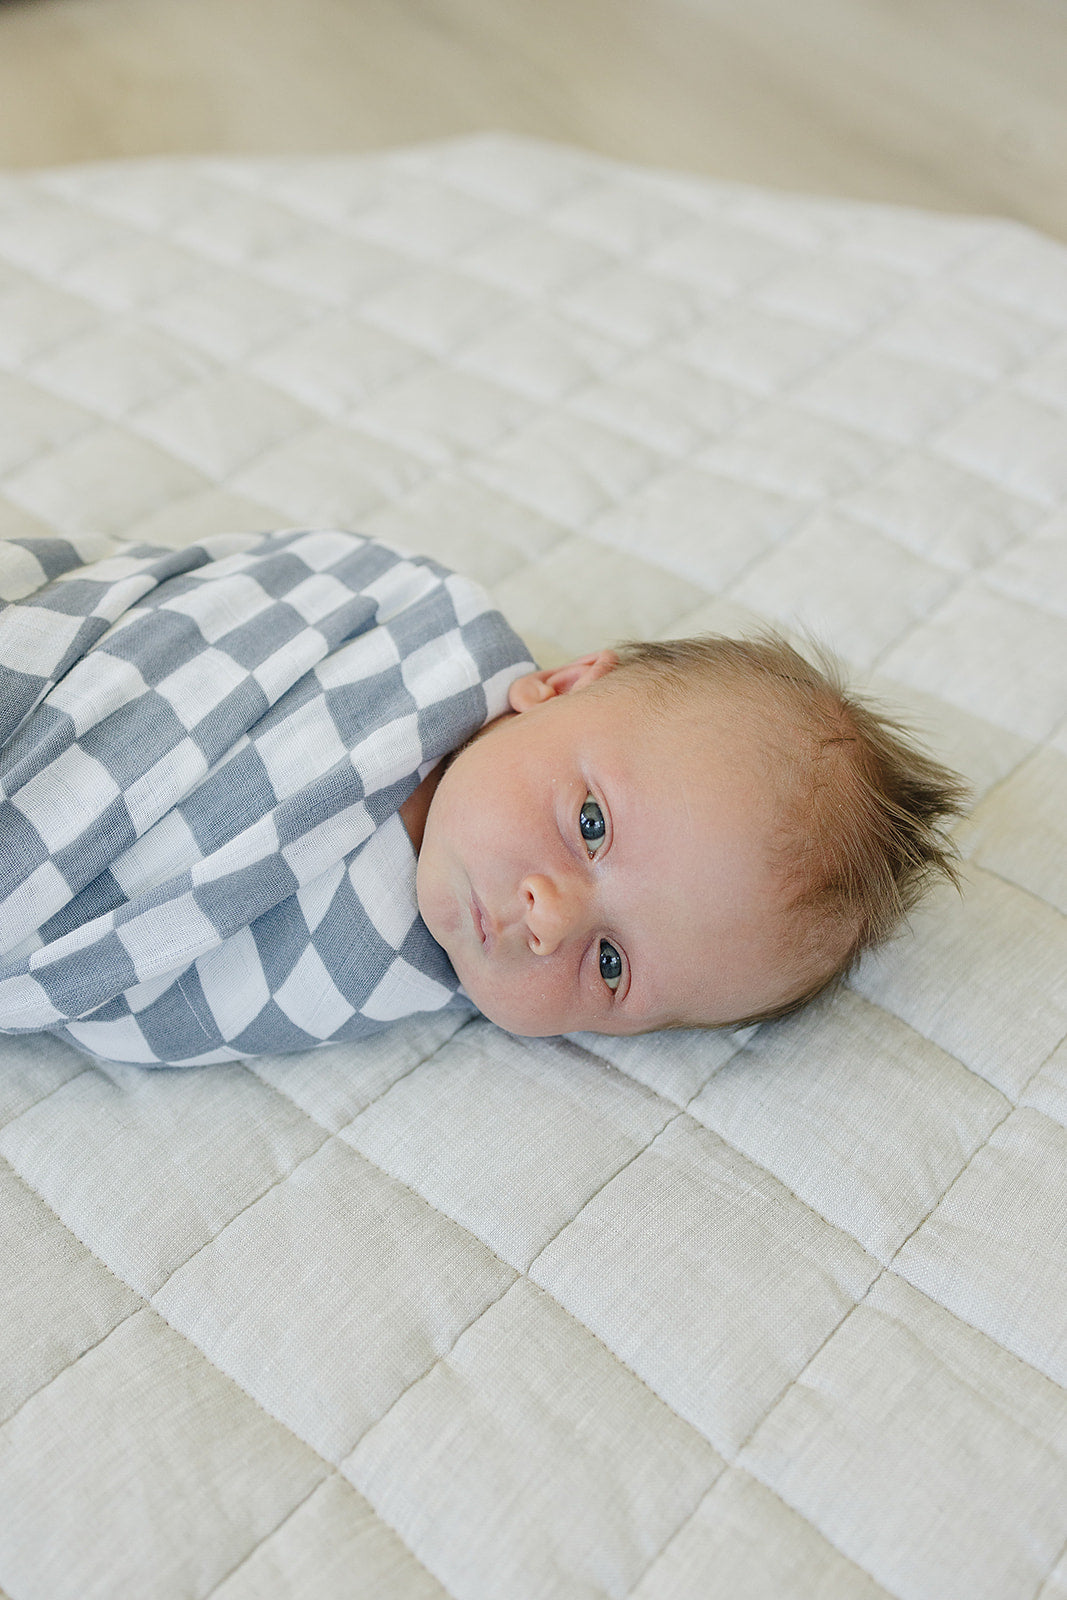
(481, 924)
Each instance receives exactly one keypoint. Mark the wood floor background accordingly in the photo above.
(953, 104)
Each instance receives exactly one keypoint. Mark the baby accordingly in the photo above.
(688, 834)
(264, 793)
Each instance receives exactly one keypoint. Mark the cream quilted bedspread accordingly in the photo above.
(779, 1315)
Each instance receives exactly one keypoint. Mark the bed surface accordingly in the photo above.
(770, 1315)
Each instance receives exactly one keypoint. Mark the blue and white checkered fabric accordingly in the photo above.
(202, 756)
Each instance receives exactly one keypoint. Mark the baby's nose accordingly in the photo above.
(551, 911)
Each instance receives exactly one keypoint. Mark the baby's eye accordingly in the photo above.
(592, 825)
(610, 965)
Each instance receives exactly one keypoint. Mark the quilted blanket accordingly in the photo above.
(778, 1314)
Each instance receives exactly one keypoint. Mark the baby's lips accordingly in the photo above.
(478, 917)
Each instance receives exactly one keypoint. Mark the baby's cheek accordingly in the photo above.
(523, 1007)
(435, 907)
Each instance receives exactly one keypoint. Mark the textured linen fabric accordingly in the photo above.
(442, 1314)
(202, 757)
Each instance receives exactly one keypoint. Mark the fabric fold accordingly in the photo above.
(196, 742)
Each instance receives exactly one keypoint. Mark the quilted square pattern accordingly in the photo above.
(160, 1506)
(506, 1429)
(773, 1313)
(872, 1401)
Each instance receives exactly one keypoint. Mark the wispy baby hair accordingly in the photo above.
(865, 810)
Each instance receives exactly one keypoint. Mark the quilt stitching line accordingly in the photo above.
(1028, 602)
(993, 790)
(609, 178)
(777, 1178)
(733, 1462)
(438, 1360)
(902, 449)
(807, 375)
(521, 1275)
(247, 463)
(428, 361)
(67, 276)
(1011, 883)
(138, 326)
(275, 1183)
(280, 204)
(42, 352)
(266, 1537)
(824, 503)
(73, 1362)
(608, 1180)
(960, 572)
(976, 573)
(774, 1489)
(661, 1094)
(177, 1267)
(538, 1289)
(992, 1402)
(48, 451)
(682, 1110)
(147, 1305)
(887, 1011)
(42, 1099)
(520, 302)
(1027, 1105)
(732, 1466)
(683, 1524)
(759, 1166)
(541, 1288)
(333, 1473)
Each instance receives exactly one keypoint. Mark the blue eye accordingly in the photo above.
(592, 826)
(610, 964)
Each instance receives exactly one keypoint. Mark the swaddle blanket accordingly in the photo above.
(202, 757)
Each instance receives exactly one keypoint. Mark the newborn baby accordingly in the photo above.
(260, 794)
(688, 834)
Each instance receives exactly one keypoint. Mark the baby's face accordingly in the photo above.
(590, 862)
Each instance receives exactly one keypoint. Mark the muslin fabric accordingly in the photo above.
(202, 756)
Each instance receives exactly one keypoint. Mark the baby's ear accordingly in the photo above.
(536, 687)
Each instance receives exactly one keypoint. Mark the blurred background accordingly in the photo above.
(954, 104)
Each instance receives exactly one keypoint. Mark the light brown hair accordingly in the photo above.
(865, 810)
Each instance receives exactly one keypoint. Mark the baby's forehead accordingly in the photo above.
(702, 709)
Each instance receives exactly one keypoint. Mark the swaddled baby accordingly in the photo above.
(263, 793)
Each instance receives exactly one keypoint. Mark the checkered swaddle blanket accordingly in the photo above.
(202, 756)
